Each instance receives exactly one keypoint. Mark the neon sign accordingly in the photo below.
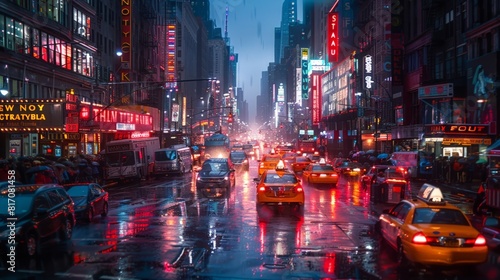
(333, 38)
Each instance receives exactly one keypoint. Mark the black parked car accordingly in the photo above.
(90, 200)
(216, 177)
(43, 211)
(240, 160)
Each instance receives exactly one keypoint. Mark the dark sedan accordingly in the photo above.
(351, 169)
(240, 160)
(90, 199)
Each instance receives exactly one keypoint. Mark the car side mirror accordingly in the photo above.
(256, 180)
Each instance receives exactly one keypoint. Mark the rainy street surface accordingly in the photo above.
(164, 229)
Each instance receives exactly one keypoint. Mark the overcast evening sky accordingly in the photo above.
(251, 25)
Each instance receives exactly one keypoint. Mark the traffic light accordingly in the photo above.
(230, 118)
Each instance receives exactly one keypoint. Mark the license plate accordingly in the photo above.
(322, 175)
(451, 243)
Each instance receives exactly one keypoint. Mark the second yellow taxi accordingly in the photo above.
(278, 187)
(320, 173)
(268, 161)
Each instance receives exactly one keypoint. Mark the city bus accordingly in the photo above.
(130, 158)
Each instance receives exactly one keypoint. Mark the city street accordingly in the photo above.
(163, 229)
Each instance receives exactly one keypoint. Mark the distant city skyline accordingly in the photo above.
(251, 27)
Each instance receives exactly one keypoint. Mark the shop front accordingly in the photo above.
(24, 123)
(457, 140)
(99, 125)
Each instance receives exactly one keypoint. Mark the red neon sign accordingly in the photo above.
(333, 38)
(316, 98)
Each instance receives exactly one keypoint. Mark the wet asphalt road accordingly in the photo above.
(164, 229)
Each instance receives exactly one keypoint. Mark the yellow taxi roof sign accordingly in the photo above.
(430, 193)
(280, 166)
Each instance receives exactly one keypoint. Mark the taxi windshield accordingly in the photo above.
(439, 216)
(275, 178)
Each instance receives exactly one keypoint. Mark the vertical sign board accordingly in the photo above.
(126, 39)
(333, 37)
(175, 112)
(298, 87)
(281, 93)
(316, 98)
(171, 57)
(305, 73)
(367, 72)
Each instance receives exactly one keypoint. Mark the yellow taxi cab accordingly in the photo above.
(300, 163)
(268, 161)
(320, 173)
(279, 186)
(431, 232)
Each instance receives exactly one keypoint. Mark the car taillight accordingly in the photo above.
(419, 238)
(333, 175)
(298, 189)
(480, 241)
(262, 189)
(314, 175)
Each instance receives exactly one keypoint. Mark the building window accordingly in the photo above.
(81, 24)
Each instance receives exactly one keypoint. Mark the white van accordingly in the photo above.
(176, 159)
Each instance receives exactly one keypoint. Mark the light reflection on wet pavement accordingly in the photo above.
(169, 231)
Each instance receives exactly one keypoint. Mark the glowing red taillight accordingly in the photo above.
(419, 238)
(262, 189)
(480, 241)
(299, 189)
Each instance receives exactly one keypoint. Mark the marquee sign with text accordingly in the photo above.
(463, 129)
(32, 114)
(111, 119)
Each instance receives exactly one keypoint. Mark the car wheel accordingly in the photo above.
(32, 245)
(104, 210)
(90, 214)
(66, 230)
